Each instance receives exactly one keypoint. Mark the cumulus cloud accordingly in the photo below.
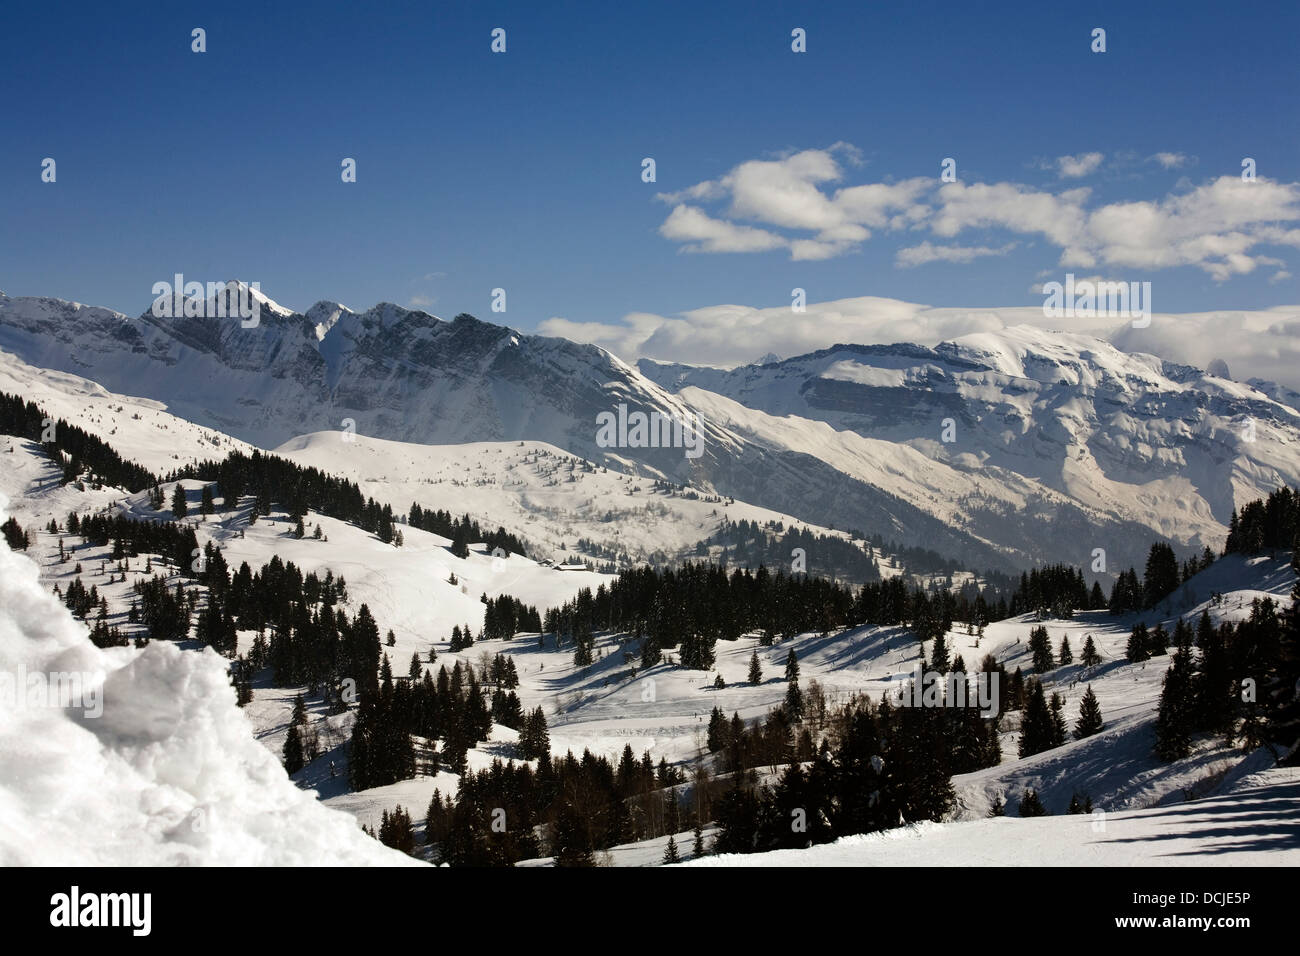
(702, 233)
(1072, 167)
(1261, 344)
(796, 203)
(794, 192)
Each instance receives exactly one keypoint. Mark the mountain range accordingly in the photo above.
(1000, 449)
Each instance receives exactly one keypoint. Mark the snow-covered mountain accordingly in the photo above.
(1171, 447)
(1060, 444)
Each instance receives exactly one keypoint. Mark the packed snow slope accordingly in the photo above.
(1251, 825)
(149, 763)
(1060, 431)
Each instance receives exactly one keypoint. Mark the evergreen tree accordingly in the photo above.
(1161, 576)
(1037, 727)
(939, 654)
(1216, 705)
(793, 694)
(998, 809)
(698, 849)
(1089, 721)
(1174, 722)
(1066, 656)
(1090, 656)
(292, 751)
(1041, 647)
(206, 505)
(178, 501)
(1031, 805)
(755, 671)
(1058, 720)
(572, 841)
(670, 853)
(1139, 644)
(1159, 641)
(1079, 806)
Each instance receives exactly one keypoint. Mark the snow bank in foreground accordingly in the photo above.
(147, 762)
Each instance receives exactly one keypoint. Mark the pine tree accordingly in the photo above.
(1031, 805)
(719, 683)
(698, 849)
(1041, 647)
(1079, 806)
(1159, 641)
(670, 853)
(998, 809)
(1090, 656)
(206, 505)
(572, 841)
(792, 667)
(1036, 726)
(1174, 722)
(1161, 576)
(292, 751)
(755, 671)
(178, 501)
(1139, 644)
(939, 654)
(793, 694)
(1058, 720)
(1089, 721)
(1066, 656)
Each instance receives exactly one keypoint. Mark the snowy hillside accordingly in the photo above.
(130, 772)
(1250, 825)
(1047, 429)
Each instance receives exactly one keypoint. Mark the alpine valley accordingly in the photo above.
(374, 569)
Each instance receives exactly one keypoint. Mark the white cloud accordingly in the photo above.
(1170, 160)
(706, 234)
(927, 252)
(1059, 217)
(795, 202)
(1260, 344)
(792, 193)
(1072, 167)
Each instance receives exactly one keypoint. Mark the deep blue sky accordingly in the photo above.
(523, 170)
